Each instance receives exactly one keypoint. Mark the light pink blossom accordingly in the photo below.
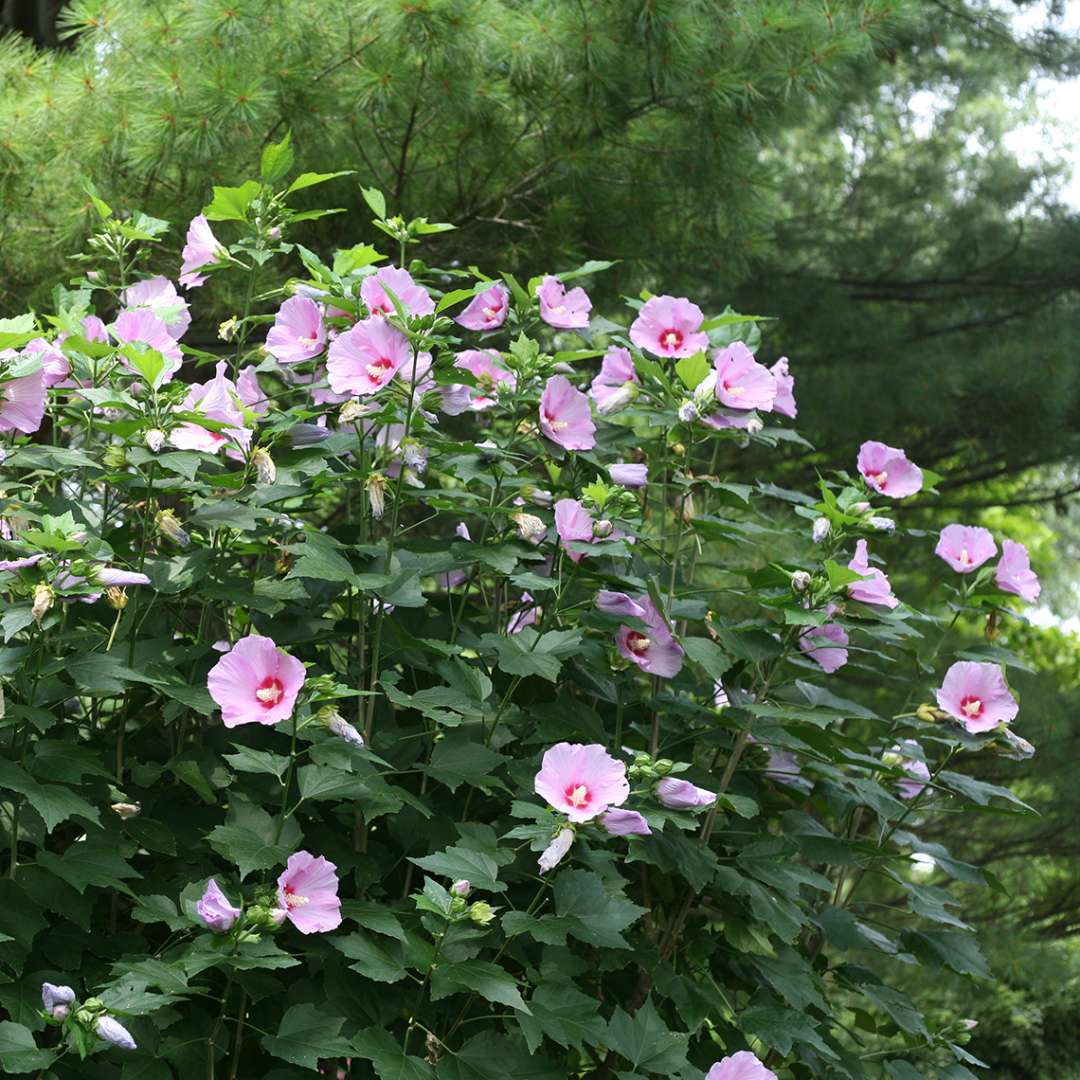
(54, 364)
(255, 683)
(741, 382)
(965, 547)
(875, 590)
(784, 402)
(653, 649)
(559, 308)
(669, 326)
(581, 781)
(616, 374)
(141, 326)
(625, 823)
(415, 299)
(250, 392)
(214, 909)
(202, 249)
(216, 400)
(160, 296)
(679, 794)
(977, 695)
(1013, 572)
(887, 470)
(741, 1066)
(486, 310)
(365, 358)
(298, 333)
(22, 402)
(308, 893)
(486, 367)
(565, 417)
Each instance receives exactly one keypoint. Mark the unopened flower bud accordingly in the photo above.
(1013, 746)
(227, 330)
(556, 851)
(43, 600)
(688, 412)
(170, 527)
(927, 713)
(820, 530)
(376, 493)
(602, 528)
(970, 1025)
(860, 507)
(275, 233)
(882, 524)
(678, 450)
(265, 469)
(93, 275)
(339, 726)
(800, 581)
(116, 597)
(115, 457)
(618, 401)
(126, 809)
(60, 1013)
(754, 426)
(155, 440)
(663, 766)
(461, 888)
(530, 527)
(481, 912)
(112, 1031)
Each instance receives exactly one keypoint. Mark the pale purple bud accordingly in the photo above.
(214, 909)
(112, 1031)
(625, 823)
(821, 529)
(461, 888)
(126, 810)
(688, 412)
(882, 524)
(93, 275)
(754, 426)
(564, 368)
(277, 915)
(308, 434)
(682, 795)
(54, 997)
(970, 1025)
(860, 507)
(628, 475)
(556, 851)
(339, 726)
(275, 233)
(602, 528)
(617, 401)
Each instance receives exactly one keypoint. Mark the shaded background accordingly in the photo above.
(885, 177)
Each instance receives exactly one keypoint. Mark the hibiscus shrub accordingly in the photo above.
(419, 682)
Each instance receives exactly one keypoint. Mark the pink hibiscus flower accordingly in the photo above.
(741, 1066)
(785, 388)
(486, 366)
(977, 695)
(486, 310)
(669, 326)
(741, 382)
(365, 358)
(140, 326)
(654, 649)
(54, 364)
(1014, 574)
(573, 523)
(826, 645)
(581, 781)
(250, 392)
(255, 683)
(565, 417)
(308, 893)
(216, 400)
(415, 299)
(160, 296)
(214, 909)
(615, 384)
(965, 547)
(888, 471)
(202, 249)
(877, 589)
(22, 402)
(562, 309)
(298, 333)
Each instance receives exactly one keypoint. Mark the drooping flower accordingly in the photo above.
(679, 794)
(142, 327)
(214, 909)
(565, 417)
(877, 589)
(486, 310)
(977, 695)
(54, 364)
(160, 296)
(887, 470)
(965, 547)
(562, 309)
(557, 850)
(55, 997)
(486, 366)
(112, 1031)
(308, 893)
(298, 333)
(22, 403)
(202, 249)
(918, 772)
(581, 781)
(625, 823)
(615, 384)
(655, 649)
(337, 725)
(415, 299)
(669, 326)
(628, 475)
(1013, 572)
(255, 683)
(741, 1066)
(526, 614)
(741, 382)
(826, 645)
(784, 402)
(366, 357)
(217, 401)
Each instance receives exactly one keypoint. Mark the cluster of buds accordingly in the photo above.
(60, 1009)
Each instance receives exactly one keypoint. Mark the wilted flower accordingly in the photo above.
(965, 547)
(43, 600)
(682, 795)
(255, 683)
(265, 469)
(339, 726)
(741, 1066)
(126, 810)
(784, 402)
(1014, 746)
(308, 893)
(214, 909)
(529, 527)
(669, 326)
(486, 310)
(414, 299)
(116, 598)
(882, 524)
(754, 426)
(169, 526)
(977, 695)
(876, 589)
(112, 1031)
(565, 417)
(625, 823)
(298, 333)
(581, 781)
(888, 471)
(559, 308)
(688, 412)
(1014, 574)
(227, 329)
(54, 998)
(556, 851)
(376, 493)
